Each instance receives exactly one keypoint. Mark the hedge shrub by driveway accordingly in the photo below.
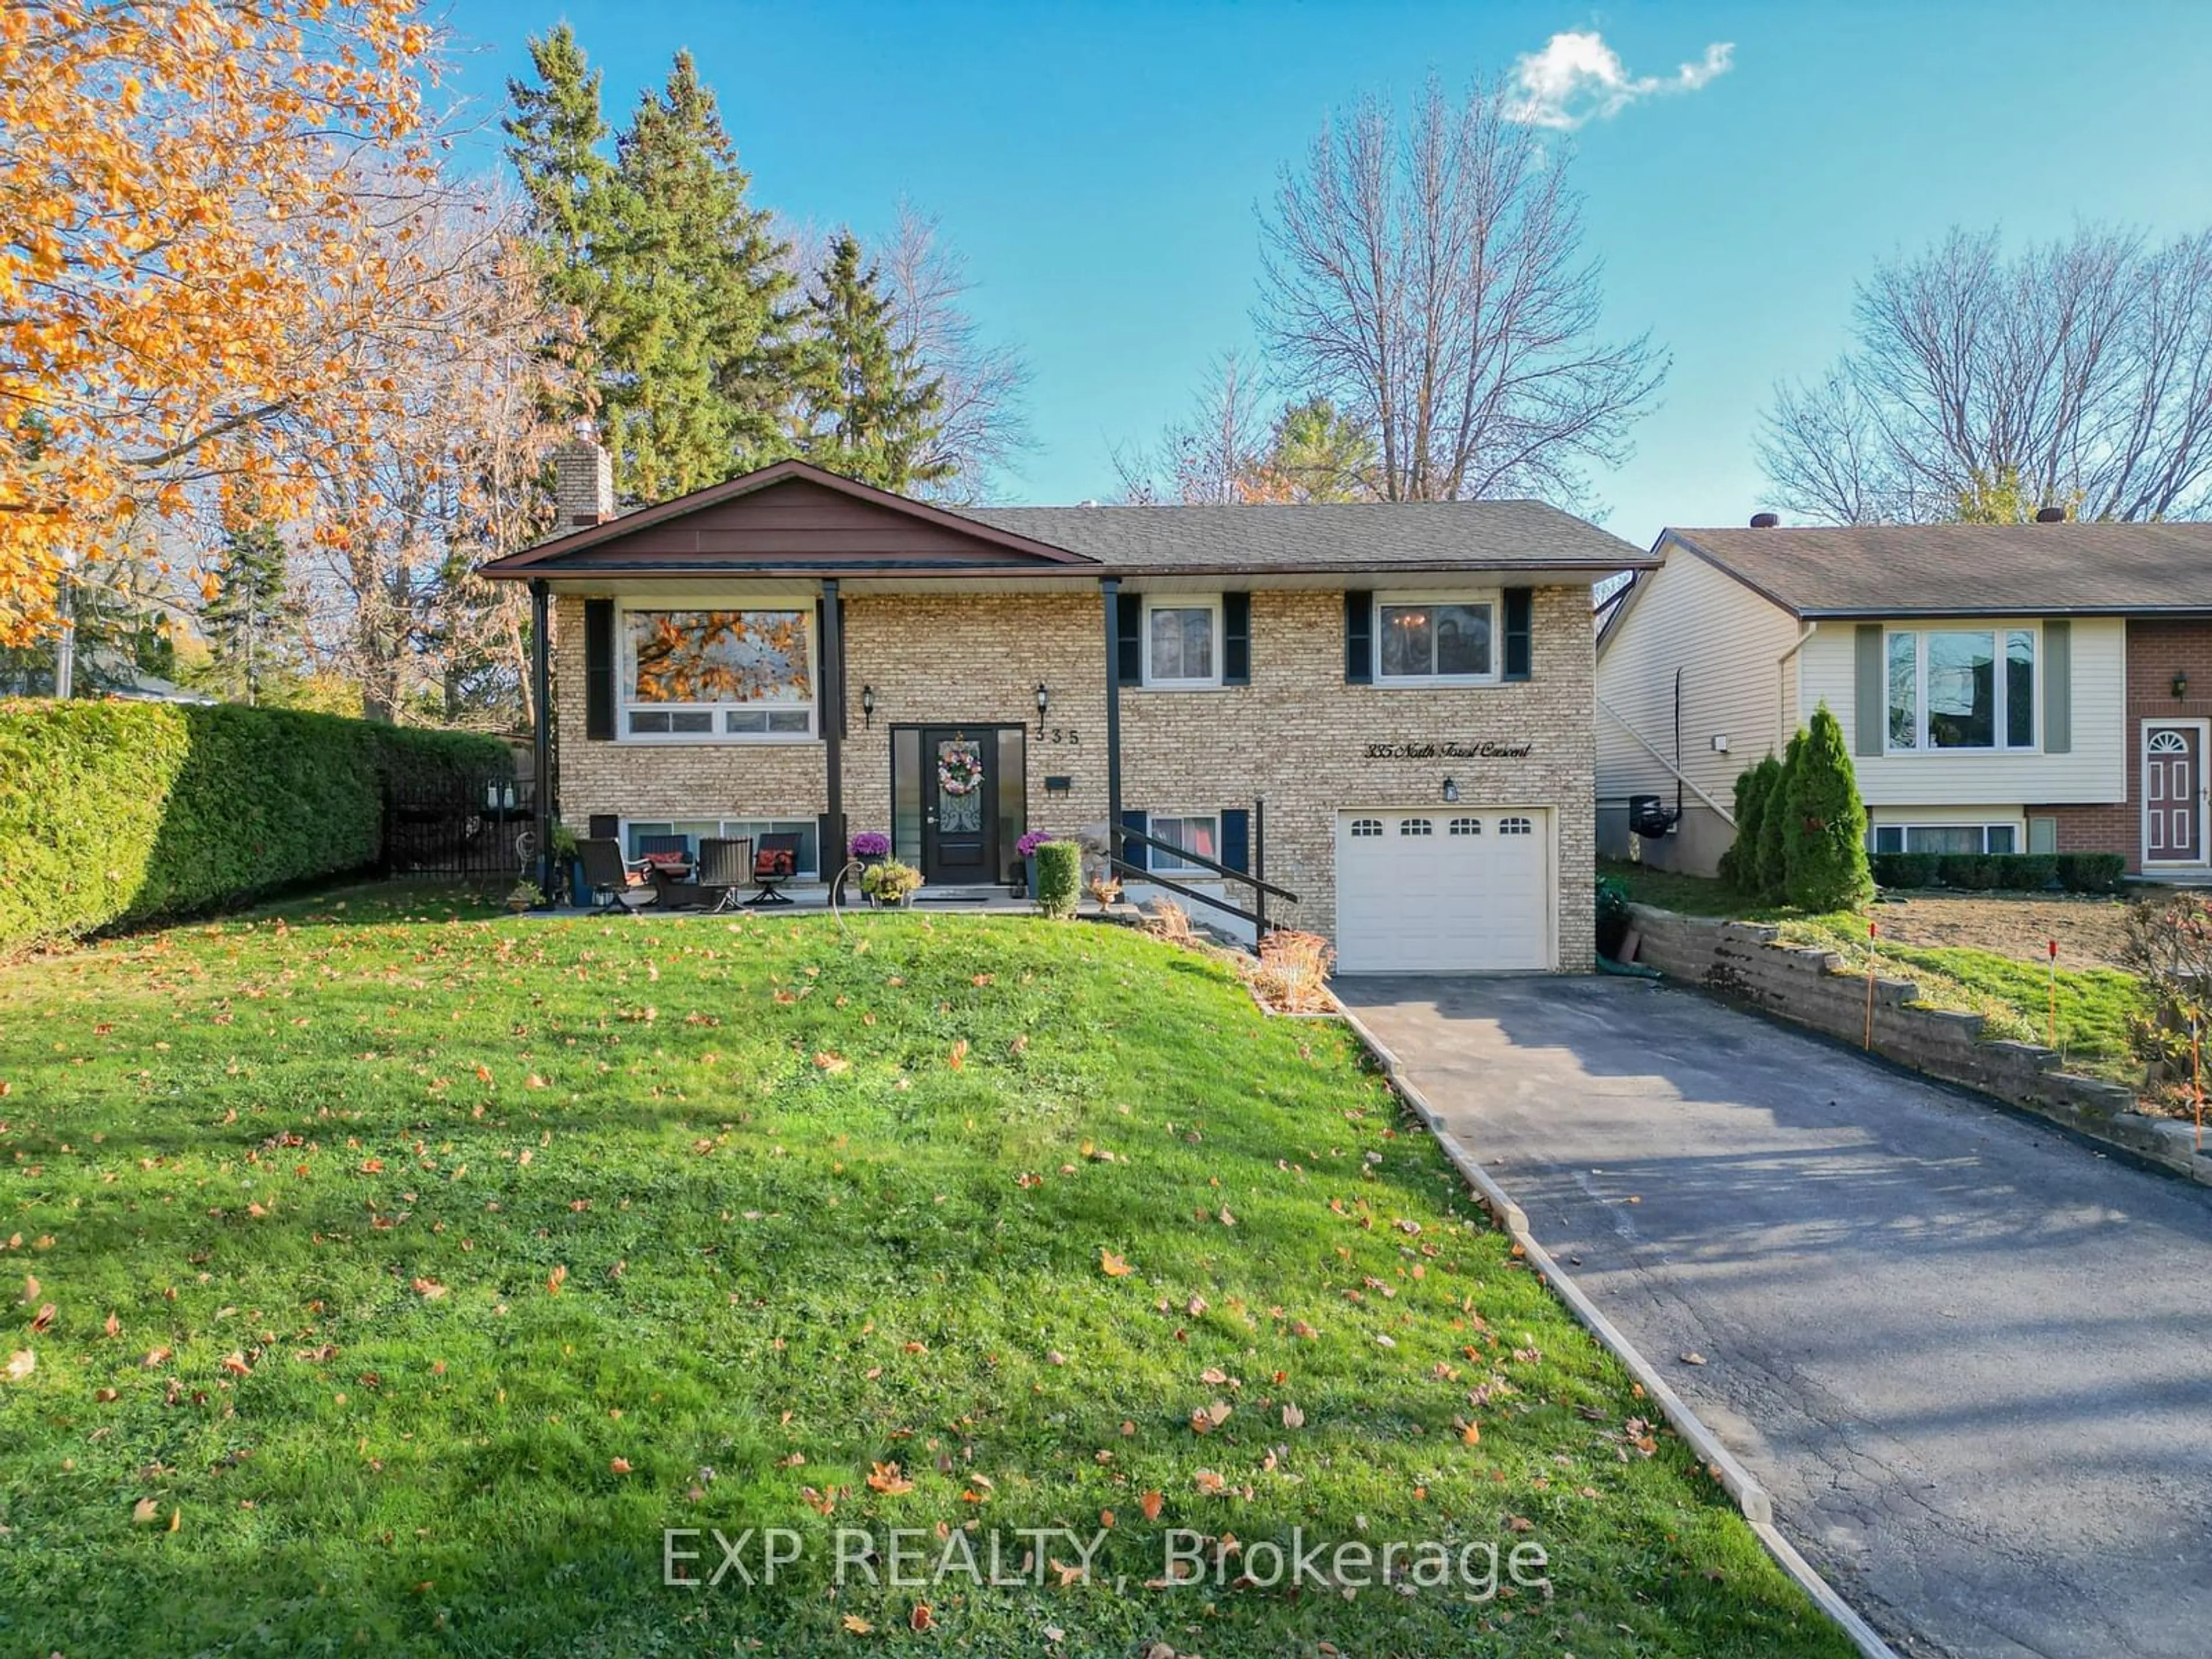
(122, 811)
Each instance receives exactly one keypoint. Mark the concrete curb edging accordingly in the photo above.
(1751, 1498)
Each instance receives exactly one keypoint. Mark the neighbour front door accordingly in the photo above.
(960, 806)
(2173, 791)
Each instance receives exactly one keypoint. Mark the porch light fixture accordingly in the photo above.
(2180, 685)
(1044, 699)
(1451, 792)
(868, 705)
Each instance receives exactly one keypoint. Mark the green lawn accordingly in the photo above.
(2096, 1005)
(411, 1273)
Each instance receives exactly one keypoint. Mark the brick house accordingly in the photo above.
(1387, 707)
(2043, 687)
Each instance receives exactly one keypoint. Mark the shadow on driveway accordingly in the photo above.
(1971, 1358)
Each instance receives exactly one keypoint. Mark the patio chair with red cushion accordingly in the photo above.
(614, 879)
(776, 863)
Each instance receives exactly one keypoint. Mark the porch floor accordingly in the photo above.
(815, 895)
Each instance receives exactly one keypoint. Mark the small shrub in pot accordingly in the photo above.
(1058, 878)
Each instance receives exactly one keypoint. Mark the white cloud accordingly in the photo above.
(1577, 78)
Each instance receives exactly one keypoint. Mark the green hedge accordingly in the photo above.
(115, 812)
(2020, 872)
(2092, 873)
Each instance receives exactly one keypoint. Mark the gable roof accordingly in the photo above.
(792, 518)
(1966, 569)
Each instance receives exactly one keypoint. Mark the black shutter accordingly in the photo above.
(1518, 609)
(1236, 837)
(1135, 851)
(598, 668)
(1236, 639)
(1129, 639)
(829, 847)
(1359, 639)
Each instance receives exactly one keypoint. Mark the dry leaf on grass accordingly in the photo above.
(21, 1364)
(1112, 1265)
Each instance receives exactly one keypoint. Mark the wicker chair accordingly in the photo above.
(614, 879)
(725, 866)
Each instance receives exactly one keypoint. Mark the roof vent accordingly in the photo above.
(2051, 515)
(1764, 520)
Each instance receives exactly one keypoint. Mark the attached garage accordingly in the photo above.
(1456, 890)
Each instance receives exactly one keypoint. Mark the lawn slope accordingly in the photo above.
(409, 1273)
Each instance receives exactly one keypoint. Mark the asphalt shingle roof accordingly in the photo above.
(1953, 568)
(1418, 535)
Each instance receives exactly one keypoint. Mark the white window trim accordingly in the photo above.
(626, 678)
(1181, 868)
(1183, 602)
(1920, 630)
(1493, 597)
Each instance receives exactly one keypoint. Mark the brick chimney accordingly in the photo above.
(583, 481)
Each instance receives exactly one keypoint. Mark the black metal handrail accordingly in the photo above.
(1262, 887)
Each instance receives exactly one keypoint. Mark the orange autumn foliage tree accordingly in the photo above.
(186, 251)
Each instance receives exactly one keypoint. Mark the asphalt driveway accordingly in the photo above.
(1970, 1359)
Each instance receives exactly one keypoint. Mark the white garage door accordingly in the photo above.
(1460, 889)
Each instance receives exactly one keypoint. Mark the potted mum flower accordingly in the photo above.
(870, 846)
(890, 883)
(1025, 850)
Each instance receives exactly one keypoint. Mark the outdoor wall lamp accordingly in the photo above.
(2180, 685)
(868, 705)
(1451, 792)
(1044, 703)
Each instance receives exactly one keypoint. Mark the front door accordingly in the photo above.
(960, 806)
(2173, 787)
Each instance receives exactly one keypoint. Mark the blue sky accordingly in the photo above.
(1100, 166)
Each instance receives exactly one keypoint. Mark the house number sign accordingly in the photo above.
(1484, 751)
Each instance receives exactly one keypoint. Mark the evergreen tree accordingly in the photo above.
(252, 615)
(699, 357)
(1317, 455)
(1754, 786)
(868, 411)
(1773, 869)
(1825, 827)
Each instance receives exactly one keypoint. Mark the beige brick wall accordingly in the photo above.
(1296, 736)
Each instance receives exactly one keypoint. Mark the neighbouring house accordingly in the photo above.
(2043, 687)
(1388, 707)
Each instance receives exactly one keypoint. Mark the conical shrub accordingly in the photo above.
(1824, 829)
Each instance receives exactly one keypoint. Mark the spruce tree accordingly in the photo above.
(1824, 828)
(1754, 786)
(253, 615)
(868, 411)
(1772, 869)
(699, 373)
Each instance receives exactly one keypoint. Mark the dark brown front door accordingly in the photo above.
(2173, 785)
(960, 805)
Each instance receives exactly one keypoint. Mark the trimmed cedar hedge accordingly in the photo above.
(114, 812)
(1978, 872)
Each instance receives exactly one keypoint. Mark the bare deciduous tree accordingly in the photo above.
(1429, 278)
(2078, 371)
(1214, 454)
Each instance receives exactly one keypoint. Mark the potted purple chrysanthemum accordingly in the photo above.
(1025, 849)
(870, 846)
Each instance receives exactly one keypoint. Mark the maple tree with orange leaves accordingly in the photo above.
(190, 251)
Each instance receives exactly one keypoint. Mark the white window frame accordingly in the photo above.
(1493, 597)
(1905, 831)
(1163, 862)
(626, 678)
(2000, 633)
(1207, 602)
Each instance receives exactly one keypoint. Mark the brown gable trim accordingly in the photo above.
(1649, 572)
(527, 562)
(1680, 540)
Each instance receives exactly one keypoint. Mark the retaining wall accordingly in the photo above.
(1747, 964)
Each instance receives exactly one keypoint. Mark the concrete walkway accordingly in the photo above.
(1970, 1359)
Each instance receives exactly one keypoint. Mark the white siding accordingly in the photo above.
(2096, 769)
(1728, 642)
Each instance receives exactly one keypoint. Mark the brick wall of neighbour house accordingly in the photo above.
(2157, 650)
(1296, 735)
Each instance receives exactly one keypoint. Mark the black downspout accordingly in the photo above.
(1109, 588)
(541, 734)
(833, 732)
(1677, 745)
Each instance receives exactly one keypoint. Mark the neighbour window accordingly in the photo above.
(1201, 835)
(1425, 641)
(1364, 827)
(1181, 644)
(1517, 827)
(1961, 689)
(1946, 838)
(720, 674)
(1467, 826)
(694, 830)
(1414, 827)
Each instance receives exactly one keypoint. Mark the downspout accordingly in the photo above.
(1781, 679)
(832, 702)
(541, 728)
(1726, 813)
(1109, 590)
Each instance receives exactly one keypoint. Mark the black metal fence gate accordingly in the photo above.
(474, 830)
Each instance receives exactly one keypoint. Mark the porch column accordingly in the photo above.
(541, 730)
(831, 699)
(1109, 588)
